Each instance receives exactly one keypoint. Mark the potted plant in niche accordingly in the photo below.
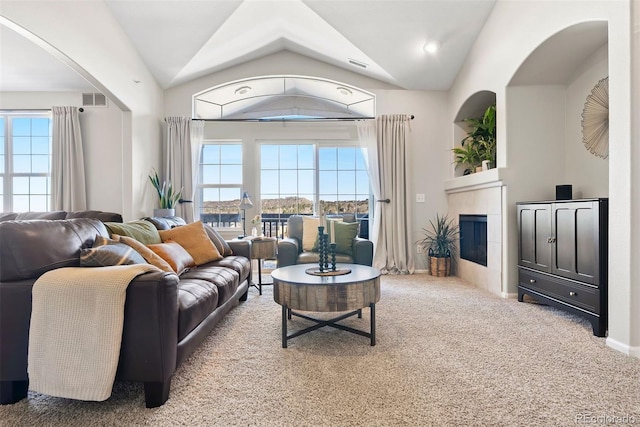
(478, 148)
(167, 196)
(440, 242)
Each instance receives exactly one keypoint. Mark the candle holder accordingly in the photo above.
(333, 257)
(321, 248)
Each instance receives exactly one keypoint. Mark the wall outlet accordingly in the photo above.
(420, 198)
(419, 249)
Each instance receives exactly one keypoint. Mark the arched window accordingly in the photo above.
(283, 98)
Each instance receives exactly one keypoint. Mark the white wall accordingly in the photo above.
(427, 148)
(86, 36)
(588, 174)
(101, 140)
(490, 65)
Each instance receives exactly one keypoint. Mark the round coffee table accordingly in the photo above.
(295, 289)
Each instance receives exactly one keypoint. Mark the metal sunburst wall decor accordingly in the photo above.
(595, 120)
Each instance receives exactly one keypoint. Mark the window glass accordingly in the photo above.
(220, 184)
(294, 185)
(344, 183)
(25, 161)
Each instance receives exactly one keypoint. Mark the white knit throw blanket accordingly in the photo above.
(76, 330)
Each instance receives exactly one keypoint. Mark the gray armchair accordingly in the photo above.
(290, 248)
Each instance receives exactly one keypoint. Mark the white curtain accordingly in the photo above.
(197, 136)
(179, 161)
(68, 185)
(385, 147)
(369, 145)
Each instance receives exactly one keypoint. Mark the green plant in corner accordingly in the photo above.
(469, 156)
(440, 243)
(480, 142)
(167, 195)
(440, 240)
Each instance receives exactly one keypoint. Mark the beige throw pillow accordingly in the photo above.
(309, 232)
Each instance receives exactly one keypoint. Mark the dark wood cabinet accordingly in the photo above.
(562, 256)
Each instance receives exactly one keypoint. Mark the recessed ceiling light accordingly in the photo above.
(343, 91)
(242, 90)
(431, 47)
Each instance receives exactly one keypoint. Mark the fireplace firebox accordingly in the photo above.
(473, 238)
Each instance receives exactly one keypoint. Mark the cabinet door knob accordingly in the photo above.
(532, 280)
(573, 294)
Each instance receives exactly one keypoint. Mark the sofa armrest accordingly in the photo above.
(288, 250)
(362, 251)
(150, 333)
(15, 315)
(240, 247)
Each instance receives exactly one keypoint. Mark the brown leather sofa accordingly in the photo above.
(166, 316)
(101, 215)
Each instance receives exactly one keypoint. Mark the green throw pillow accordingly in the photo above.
(345, 232)
(141, 230)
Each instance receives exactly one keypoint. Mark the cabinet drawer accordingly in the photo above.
(571, 292)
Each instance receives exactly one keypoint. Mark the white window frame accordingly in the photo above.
(8, 175)
(201, 186)
(317, 145)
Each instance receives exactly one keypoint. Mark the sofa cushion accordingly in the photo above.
(150, 256)
(175, 255)
(240, 264)
(40, 245)
(52, 215)
(226, 279)
(314, 258)
(8, 216)
(218, 240)
(197, 299)
(142, 231)
(102, 216)
(195, 240)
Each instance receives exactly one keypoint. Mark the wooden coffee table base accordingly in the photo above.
(287, 313)
(295, 289)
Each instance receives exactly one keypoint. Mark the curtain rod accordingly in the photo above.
(36, 109)
(327, 119)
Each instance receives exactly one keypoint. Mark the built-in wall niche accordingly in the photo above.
(474, 107)
(473, 238)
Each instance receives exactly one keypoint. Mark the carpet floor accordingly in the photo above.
(447, 354)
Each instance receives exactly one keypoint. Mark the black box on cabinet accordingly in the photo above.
(563, 192)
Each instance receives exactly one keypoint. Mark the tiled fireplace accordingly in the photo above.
(479, 198)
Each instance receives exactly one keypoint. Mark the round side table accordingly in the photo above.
(262, 248)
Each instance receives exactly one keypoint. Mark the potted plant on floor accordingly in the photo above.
(440, 242)
(479, 146)
(167, 196)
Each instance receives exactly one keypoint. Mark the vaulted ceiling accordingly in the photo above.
(183, 40)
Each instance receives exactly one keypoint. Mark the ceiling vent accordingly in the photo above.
(94, 100)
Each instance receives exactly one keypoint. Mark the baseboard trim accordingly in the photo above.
(420, 271)
(623, 348)
(509, 295)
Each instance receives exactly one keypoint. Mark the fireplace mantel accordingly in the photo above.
(481, 194)
(475, 181)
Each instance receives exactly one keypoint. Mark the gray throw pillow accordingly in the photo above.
(112, 254)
